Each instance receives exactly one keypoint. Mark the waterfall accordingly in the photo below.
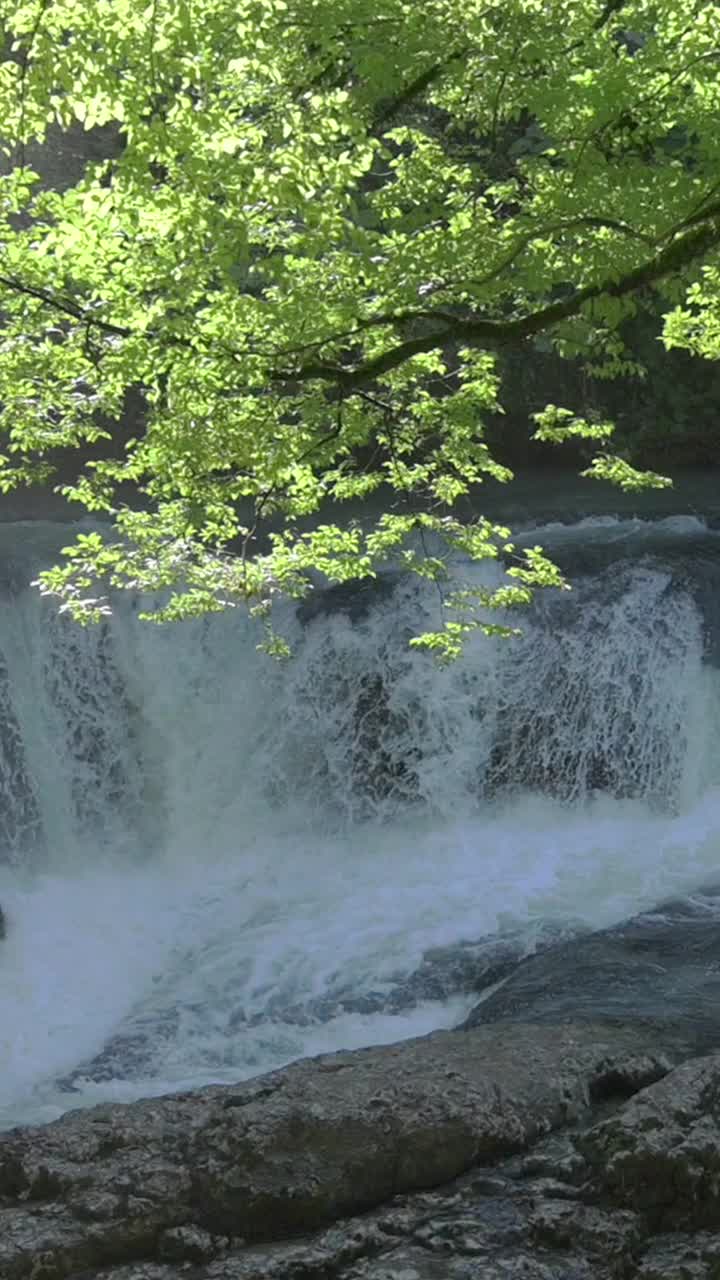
(212, 863)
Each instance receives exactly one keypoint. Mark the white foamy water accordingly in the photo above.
(201, 845)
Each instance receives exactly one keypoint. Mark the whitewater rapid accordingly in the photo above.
(199, 843)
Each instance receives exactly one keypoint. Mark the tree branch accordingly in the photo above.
(390, 107)
(469, 328)
(583, 220)
(612, 6)
(64, 305)
(474, 329)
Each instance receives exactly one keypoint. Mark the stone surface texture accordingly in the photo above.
(548, 1153)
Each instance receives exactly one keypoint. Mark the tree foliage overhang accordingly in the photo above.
(323, 220)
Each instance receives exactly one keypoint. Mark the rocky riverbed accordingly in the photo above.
(569, 1131)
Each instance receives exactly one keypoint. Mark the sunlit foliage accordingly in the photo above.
(318, 222)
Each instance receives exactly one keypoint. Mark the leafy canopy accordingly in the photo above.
(318, 223)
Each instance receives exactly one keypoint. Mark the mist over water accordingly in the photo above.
(200, 848)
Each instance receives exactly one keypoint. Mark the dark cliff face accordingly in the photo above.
(664, 420)
(62, 158)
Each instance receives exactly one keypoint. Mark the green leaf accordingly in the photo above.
(319, 258)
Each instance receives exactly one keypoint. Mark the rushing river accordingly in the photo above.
(211, 863)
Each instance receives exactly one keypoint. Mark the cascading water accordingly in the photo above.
(212, 863)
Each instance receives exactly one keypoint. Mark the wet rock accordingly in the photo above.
(129, 1053)
(189, 1244)
(662, 968)
(681, 1258)
(468, 967)
(479, 1225)
(354, 599)
(415, 1264)
(564, 1225)
(660, 1154)
(138, 1271)
(378, 1122)
(555, 1164)
(444, 972)
(291, 1152)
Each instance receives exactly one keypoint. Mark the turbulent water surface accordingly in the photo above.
(209, 859)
